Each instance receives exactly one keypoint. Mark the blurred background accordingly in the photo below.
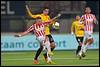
(14, 17)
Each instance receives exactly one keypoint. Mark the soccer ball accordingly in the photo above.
(56, 25)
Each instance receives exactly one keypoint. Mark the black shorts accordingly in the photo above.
(50, 38)
(79, 39)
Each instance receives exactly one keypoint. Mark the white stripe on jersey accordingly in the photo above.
(39, 29)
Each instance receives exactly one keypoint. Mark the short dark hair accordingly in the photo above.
(88, 7)
(45, 8)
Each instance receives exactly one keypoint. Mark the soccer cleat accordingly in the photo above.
(80, 57)
(50, 53)
(51, 62)
(83, 54)
(36, 62)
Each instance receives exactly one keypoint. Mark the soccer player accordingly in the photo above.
(78, 29)
(45, 17)
(88, 19)
(39, 29)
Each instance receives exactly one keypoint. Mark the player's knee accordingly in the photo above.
(91, 41)
(52, 45)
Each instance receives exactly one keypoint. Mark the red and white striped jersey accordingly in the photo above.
(38, 28)
(88, 22)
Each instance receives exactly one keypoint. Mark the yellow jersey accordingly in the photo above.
(78, 29)
(44, 18)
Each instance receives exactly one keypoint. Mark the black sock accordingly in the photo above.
(38, 52)
(52, 49)
(78, 49)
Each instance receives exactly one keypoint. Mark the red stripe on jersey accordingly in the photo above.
(90, 27)
(88, 21)
(36, 33)
(89, 17)
(42, 32)
(39, 25)
(39, 33)
(39, 29)
(36, 26)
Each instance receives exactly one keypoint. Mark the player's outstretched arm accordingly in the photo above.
(24, 33)
(21, 34)
(51, 20)
(56, 17)
(30, 14)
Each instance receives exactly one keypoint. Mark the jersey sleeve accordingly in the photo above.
(30, 28)
(72, 27)
(27, 31)
(33, 16)
(48, 17)
(47, 23)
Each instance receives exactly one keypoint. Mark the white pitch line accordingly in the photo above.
(42, 59)
(12, 53)
(70, 65)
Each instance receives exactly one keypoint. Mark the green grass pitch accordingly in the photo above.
(61, 58)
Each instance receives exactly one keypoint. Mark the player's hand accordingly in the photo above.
(59, 15)
(17, 35)
(26, 7)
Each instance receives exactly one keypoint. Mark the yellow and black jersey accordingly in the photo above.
(78, 29)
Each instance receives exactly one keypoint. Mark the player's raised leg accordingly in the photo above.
(52, 45)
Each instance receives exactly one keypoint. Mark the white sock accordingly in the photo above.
(84, 48)
(80, 52)
(48, 58)
(47, 45)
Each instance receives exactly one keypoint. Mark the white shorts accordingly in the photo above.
(41, 40)
(88, 35)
